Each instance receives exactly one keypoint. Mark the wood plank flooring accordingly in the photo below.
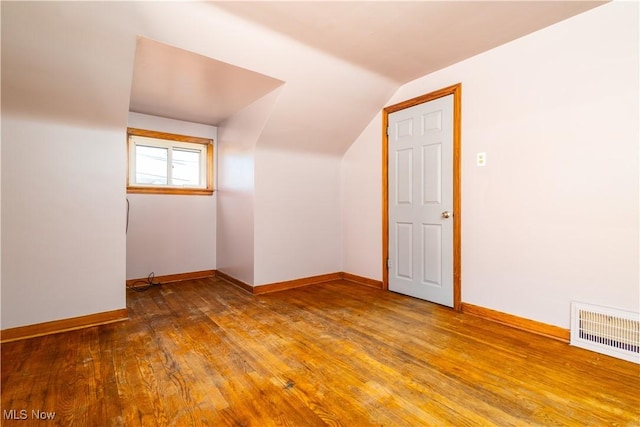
(206, 353)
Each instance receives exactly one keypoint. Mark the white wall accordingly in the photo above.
(236, 188)
(79, 67)
(362, 203)
(63, 220)
(64, 109)
(0, 223)
(278, 210)
(297, 225)
(171, 234)
(553, 217)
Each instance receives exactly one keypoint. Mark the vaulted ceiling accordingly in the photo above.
(337, 62)
(399, 40)
(404, 40)
(175, 83)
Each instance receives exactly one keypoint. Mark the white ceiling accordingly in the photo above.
(175, 83)
(404, 40)
(398, 40)
(335, 64)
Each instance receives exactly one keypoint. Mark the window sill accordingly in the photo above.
(169, 190)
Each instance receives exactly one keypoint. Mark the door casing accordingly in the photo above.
(456, 91)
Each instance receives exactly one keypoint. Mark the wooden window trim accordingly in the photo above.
(207, 191)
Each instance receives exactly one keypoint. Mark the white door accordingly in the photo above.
(421, 201)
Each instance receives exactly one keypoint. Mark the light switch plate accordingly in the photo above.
(481, 159)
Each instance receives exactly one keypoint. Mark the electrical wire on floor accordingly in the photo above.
(148, 284)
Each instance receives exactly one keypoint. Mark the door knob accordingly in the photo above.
(446, 214)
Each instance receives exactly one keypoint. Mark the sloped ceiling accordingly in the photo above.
(175, 83)
(404, 40)
(81, 62)
(400, 41)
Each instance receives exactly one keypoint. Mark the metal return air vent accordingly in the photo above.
(606, 330)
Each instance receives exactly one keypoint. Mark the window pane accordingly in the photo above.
(186, 167)
(151, 165)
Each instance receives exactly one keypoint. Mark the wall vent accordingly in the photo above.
(606, 330)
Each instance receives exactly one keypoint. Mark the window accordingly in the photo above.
(166, 163)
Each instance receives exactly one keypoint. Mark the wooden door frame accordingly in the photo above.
(456, 91)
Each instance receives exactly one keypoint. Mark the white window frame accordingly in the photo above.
(148, 138)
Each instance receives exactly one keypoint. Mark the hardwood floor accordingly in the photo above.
(204, 352)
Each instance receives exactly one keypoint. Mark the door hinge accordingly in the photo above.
(388, 264)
